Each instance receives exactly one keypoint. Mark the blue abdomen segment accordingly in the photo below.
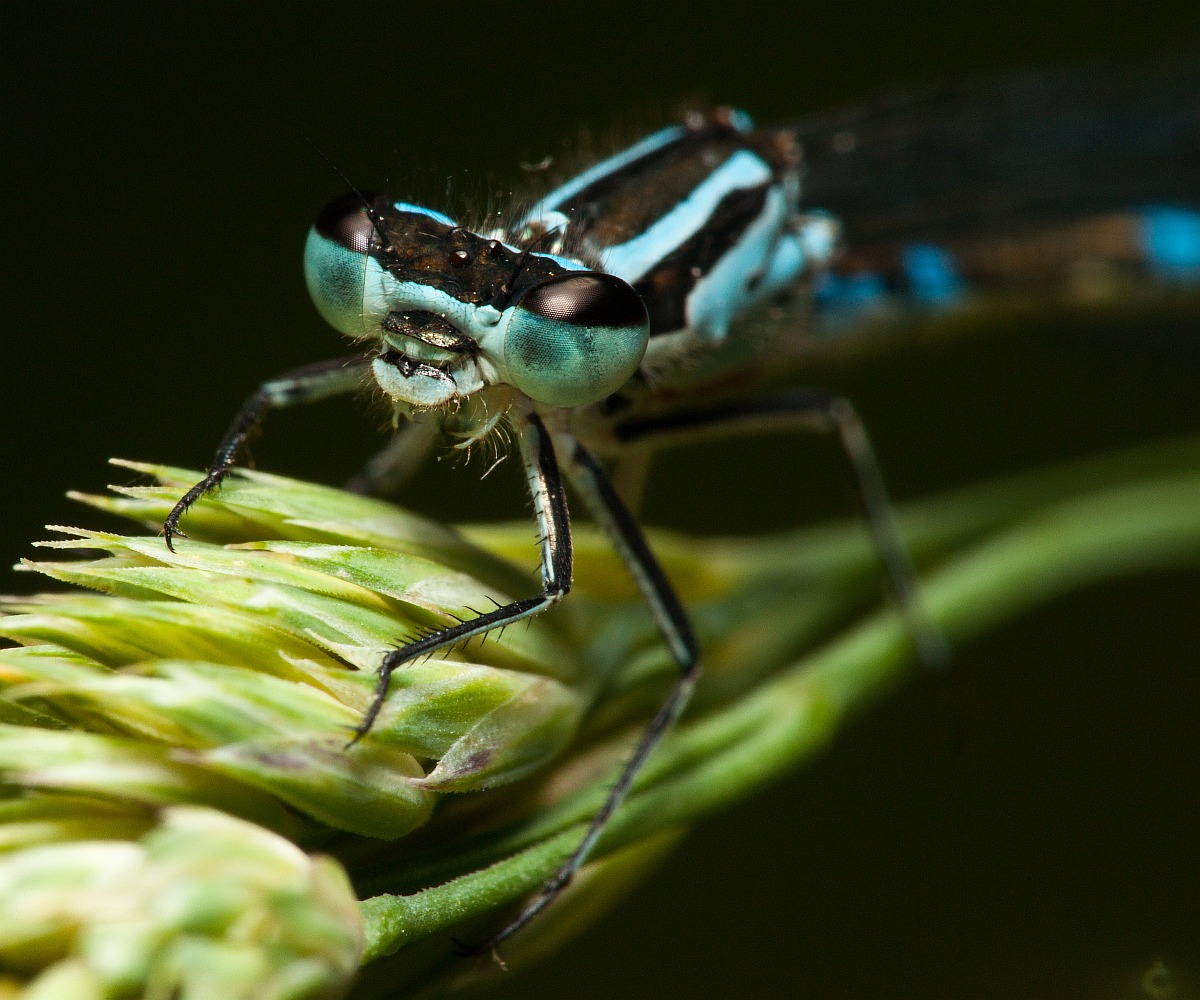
(921, 275)
(931, 275)
(852, 292)
(1080, 257)
(1170, 241)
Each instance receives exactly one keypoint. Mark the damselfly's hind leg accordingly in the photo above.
(611, 513)
(301, 385)
(815, 410)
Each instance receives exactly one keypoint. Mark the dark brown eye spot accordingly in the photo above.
(459, 258)
(586, 299)
(348, 223)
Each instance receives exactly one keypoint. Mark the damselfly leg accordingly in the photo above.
(554, 526)
(301, 385)
(608, 509)
(816, 410)
(538, 450)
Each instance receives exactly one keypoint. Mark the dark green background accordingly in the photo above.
(158, 191)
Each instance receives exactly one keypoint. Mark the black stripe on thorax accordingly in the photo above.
(626, 202)
(666, 287)
(688, 146)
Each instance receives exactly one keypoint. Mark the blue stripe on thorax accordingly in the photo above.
(849, 293)
(651, 144)
(756, 267)
(566, 263)
(1170, 241)
(632, 259)
(927, 275)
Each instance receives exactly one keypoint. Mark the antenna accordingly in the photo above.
(519, 266)
(374, 217)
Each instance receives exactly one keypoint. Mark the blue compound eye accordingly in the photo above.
(336, 257)
(575, 338)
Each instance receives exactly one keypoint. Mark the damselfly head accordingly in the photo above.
(451, 312)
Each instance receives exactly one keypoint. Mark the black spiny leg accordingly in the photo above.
(816, 410)
(301, 385)
(550, 507)
(610, 512)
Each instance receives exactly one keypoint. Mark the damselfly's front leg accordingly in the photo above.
(610, 512)
(813, 409)
(550, 508)
(301, 385)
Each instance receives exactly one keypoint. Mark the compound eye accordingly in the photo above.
(336, 258)
(347, 222)
(576, 338)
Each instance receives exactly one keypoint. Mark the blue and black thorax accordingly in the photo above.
(700, 218)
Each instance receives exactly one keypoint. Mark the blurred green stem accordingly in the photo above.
(712, 762)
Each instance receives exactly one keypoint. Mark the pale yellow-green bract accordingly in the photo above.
(181, 816)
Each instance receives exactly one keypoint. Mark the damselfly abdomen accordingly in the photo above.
(615, 315)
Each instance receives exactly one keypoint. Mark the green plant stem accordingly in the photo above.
(938, 524)
(724, 757)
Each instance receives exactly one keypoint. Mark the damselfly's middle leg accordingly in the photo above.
(814, 409)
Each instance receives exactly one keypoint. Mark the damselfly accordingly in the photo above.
(616, 313)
